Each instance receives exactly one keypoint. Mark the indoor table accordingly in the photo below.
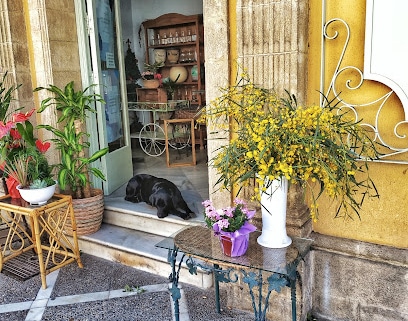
(40, 229)
(276, 268)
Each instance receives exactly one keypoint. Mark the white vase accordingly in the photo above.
(273, 205)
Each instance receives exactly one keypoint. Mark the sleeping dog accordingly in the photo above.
(157, 192)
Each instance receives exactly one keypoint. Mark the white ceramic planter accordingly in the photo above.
(37, 196)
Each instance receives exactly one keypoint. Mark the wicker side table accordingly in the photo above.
(44, 235)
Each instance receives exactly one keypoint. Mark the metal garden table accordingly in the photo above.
(202, 250)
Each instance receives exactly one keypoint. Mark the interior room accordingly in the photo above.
(155, 113)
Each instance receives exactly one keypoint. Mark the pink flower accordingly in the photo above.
(5, 128)
(239, 201)
(22, 117)
(223, 223)
(207, 203)
(229, 211)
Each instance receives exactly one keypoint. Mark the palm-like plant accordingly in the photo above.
(6, 97)
(73, 171)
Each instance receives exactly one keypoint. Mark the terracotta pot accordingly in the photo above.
(173, 55)
(151, 83)
(234, 247)
(88, 213)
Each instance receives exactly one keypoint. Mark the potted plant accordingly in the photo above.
(170, 86)
(23, 160)
(6, 97)
(322, 148)
(70, 140)
(231, 225)
(151, 78)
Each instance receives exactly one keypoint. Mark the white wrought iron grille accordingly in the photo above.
(345, 79)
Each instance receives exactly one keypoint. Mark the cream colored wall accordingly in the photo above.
(14, 57)
(384, 220)
(53, 52)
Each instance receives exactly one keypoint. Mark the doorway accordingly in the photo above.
(133, 14)
(126, 153)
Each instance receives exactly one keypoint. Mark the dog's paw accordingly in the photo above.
(186, 216)
(132, 199)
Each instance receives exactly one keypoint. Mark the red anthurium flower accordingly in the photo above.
(22, 117)
(42, 147)
(15, 133)
(5, 128)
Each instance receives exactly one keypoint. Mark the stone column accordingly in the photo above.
(217, 69)
(54, 56)
(272, 47)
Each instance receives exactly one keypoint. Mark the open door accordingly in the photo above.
(101, 51)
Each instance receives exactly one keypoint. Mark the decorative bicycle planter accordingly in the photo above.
(152, 136)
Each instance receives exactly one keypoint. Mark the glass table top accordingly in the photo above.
(200, 242)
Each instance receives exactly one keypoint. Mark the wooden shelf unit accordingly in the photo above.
(157, 33)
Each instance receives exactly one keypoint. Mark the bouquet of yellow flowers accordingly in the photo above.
(273, 137)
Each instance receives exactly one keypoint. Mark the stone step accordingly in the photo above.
(142, 217)
(137, 249)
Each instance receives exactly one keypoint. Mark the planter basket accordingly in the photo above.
(88, 213)
(183, 113)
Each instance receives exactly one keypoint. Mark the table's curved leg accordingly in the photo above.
(174, 278)
(276, 282)
(37, 233)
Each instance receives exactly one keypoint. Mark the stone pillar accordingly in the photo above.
(217, 69)
(273, 50)
(52, 38)
(14, 57)
(298, 222)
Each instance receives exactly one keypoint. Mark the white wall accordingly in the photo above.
(134, 12)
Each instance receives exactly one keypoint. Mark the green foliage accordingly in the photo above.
(38, 183)
(314, 146)
(70, 140)
(153, 67)
(137, 289)
(6, 97)
(29, 167)
(170, 86)
(131, 67)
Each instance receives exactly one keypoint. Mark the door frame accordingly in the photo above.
(95, 123)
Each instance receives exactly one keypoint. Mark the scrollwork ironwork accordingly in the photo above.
(394, 144)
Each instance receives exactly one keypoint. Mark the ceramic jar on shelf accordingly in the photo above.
(173, 55)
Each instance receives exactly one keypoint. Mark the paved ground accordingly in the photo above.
(98, 293)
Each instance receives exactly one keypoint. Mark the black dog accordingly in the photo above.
(157, 192)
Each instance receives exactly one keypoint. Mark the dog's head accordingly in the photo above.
(161, 201)
(134, 191)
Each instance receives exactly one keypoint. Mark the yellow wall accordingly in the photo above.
(384, 220)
